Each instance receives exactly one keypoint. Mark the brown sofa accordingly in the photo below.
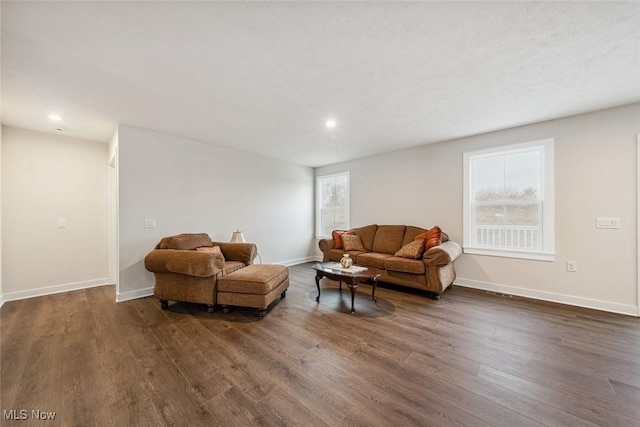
(184, 273)
(434, 272)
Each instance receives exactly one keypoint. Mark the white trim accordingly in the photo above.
(612, 307)
(138, 293)
(1, 300)
(298, 261)
(547, 195)
(638, 226)
(511, 253)
(56, 289)
(319, 178)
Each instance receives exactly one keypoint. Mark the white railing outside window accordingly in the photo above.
(511, 237)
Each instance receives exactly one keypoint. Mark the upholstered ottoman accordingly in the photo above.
(256, 285)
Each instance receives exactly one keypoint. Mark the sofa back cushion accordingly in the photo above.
(411, 233)
(388, 239)
(186, 241)
(367, 234)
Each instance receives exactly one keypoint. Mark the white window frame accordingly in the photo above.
(547, 253)
(321, 178)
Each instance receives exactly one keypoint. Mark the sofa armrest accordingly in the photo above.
(191, 263)
(325, 245)
(443, 254)
(243, 252)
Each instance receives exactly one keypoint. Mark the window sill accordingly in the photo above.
(510, 253)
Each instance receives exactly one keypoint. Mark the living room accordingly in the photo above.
(79, 213)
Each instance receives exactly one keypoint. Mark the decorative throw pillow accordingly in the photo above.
(412, 250)
(434, 237)
(351, 242)
(337, 241)
(422, 236)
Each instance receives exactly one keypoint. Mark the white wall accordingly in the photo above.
(188, 186)
(595, 169)
(46, 178)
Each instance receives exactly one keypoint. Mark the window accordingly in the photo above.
(508, 201)
(332, 203)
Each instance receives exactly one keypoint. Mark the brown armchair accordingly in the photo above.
(187, 267)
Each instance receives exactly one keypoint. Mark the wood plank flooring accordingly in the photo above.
(471, 359)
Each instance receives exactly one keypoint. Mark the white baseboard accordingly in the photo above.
(298, 261)
(56, 289)
(138, 293)
(613, 307)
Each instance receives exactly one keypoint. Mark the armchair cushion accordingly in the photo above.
(192, 263)
(185, 241)
(243, 252)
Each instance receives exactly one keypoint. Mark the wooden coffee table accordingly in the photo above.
(351, 278)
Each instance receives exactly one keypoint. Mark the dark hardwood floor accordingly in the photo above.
(470, 358)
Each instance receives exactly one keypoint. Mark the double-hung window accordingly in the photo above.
(509, 201)
(332, 203)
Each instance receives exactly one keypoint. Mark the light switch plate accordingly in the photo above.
(150, 223)
(608, 222)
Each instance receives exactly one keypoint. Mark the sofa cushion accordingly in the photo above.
(372, 259)
(412, 250)
(367, 234)
(411, 233)
(388, 239)
(404, 265)
(337, 237)
(185, 241)
(352, 243)
(336, 254)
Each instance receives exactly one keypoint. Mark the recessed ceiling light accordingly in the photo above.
(55, 117)
(330, 123)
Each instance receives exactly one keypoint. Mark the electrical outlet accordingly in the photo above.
(62, 223)
(149, 223)
(572, 266)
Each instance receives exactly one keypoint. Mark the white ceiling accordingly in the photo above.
(263, 77)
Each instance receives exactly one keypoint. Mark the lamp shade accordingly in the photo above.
(237, 237)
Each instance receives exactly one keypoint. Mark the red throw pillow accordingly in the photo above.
(337, 241)
(422, 235)
(434, 237)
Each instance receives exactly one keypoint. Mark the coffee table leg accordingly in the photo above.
(318, 286)
(373, 291)
(353, 288)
